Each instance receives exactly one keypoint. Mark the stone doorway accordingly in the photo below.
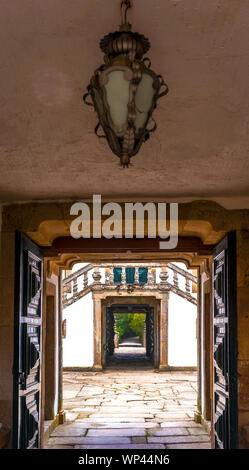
(123, 349)
(156, 300)
(103, 300)
(130, 404)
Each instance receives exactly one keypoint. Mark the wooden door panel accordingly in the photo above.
(225, 343)
(109, 333)
(29, 432)
(31, 354)
(150, 333)
(27, 344)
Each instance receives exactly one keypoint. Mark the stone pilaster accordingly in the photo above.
(97, 333)
(198, 413)
(163, 354)
(103, 331)
(144, 337)
(61, 412)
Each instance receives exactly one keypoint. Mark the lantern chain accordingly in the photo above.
(124, 7)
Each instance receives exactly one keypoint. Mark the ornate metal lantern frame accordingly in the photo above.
(124, 90)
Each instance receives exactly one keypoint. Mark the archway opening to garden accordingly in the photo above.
(127, 338)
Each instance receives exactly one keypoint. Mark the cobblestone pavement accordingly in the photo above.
(129, 407)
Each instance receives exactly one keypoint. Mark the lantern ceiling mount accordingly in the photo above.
(124, 90)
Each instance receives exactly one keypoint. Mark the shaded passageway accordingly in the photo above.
(132, 342)
(129, 358)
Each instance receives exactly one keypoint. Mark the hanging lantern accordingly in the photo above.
(124, 90)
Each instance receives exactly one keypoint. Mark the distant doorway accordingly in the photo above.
(130, 335)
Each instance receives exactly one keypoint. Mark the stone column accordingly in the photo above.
(116, 336)
(163, 322)
(144, 337)
(136, 276)
(157, 309)
(61, 412)
(206, 348)
(123, 277)
(198, 413)
(163, 348)
(97, 333)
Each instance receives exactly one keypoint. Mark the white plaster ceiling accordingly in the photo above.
(48, 150)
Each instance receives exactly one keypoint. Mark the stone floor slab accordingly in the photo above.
(69, 430)
(196, 445)
(57, 447)
(106, 440)
(198, 431)
(177, 439)
(65, 440)
(103, 425)
(179, 424)
(115, 419)
(168, 432)
(138, 440)
(122, 446)
(128, 432)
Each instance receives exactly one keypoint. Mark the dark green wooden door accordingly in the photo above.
(109, 333)
(150, 333)
(225, 344)
(27, 344)
(130, 275)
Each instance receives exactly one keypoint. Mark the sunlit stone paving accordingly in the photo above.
(130, 406)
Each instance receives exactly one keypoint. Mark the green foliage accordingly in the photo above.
(130, 324)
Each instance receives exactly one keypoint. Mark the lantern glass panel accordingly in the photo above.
(143, 100)
(98, 101)
(117, 95)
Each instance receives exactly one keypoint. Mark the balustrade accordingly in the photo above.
(136, 275)
(187, 286)
(111, 276)
(175, 279)
(85, 282)
(150, 278)
(107, 276)
(96, 275)
(75, 287)
(123, 276)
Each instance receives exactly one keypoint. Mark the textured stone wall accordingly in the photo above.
(6, 336)
(6, 325)
(243, 335)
